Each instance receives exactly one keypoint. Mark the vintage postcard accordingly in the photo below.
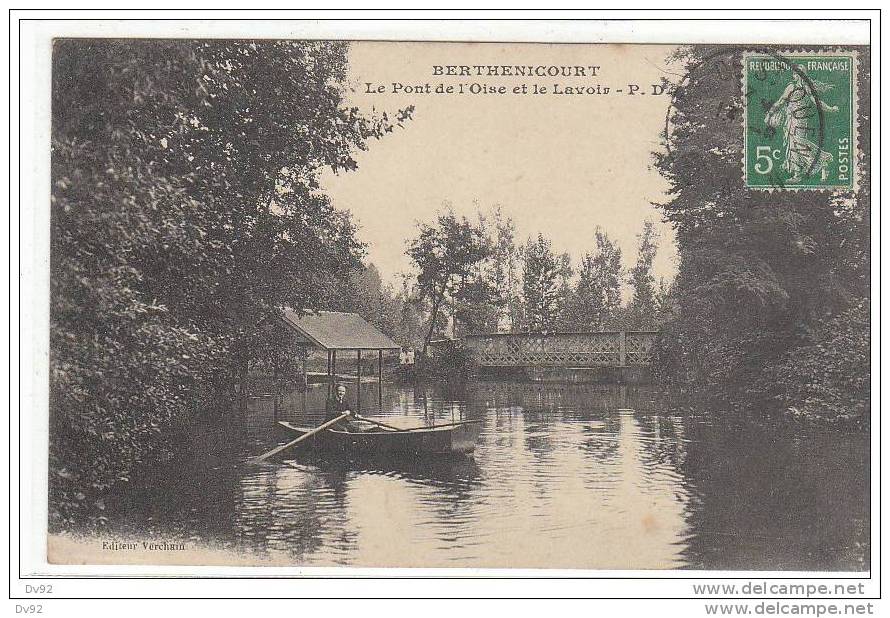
(321, 302)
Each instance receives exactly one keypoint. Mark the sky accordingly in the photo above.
(559, 164)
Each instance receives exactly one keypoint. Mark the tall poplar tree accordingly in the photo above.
(643, 307)
(596, 301)
(541, 287)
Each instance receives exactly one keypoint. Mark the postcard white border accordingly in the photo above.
(33, 158)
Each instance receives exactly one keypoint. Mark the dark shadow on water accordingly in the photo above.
(776, 497)
(450, 471)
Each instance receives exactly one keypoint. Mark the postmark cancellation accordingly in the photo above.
(800, 120)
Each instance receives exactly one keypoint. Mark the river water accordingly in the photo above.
(570, 476)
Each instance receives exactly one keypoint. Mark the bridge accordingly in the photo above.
(564, 350)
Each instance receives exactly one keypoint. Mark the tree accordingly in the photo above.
(445, 255)
(643, 307)
(412, 319)
(185, 210)
(758, 271)
(664, 303)
(564, 291)
(479, 300)
(505, 270)
(541, 279)
(596, 301)
(390, 310)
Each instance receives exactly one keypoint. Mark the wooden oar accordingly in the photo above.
(293, 443)
(394, 428)
(451, 424)
(384, 425)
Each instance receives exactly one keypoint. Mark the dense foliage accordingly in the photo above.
(827, 376)
(185, 209)
(770, 302)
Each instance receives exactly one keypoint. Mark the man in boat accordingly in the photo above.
(337, 406)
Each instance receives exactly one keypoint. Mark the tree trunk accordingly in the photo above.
(242, 369)
(433, 315)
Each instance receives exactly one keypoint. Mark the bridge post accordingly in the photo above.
(622, 348)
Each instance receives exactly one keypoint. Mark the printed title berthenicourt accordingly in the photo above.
(515, 70)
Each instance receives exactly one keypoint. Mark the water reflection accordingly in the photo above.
(770, 498)
(579, 476)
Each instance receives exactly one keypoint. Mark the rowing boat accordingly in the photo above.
(452, 439)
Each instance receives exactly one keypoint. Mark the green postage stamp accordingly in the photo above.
(800, 120)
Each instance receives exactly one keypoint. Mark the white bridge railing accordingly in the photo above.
(600, 349)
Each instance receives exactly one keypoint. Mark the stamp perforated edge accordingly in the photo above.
(854, 114)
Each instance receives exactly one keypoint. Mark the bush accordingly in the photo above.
(829, 378)
(448, 360)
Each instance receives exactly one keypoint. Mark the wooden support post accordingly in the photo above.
(330, 379)
(275, 391)
(622, 348)
(333, 370)
(305, 380)
(244, 369)
(358, 381)
(380, 378)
